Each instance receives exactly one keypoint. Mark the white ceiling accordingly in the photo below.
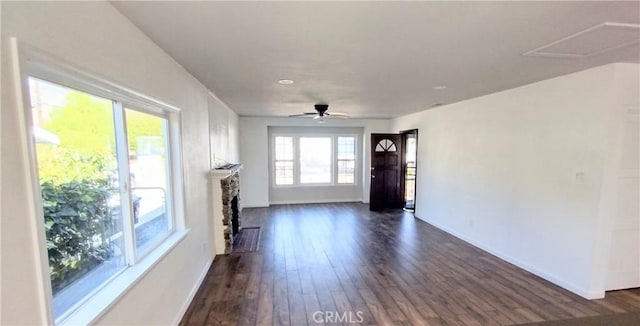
(370, 59)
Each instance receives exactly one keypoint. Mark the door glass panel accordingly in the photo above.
(74, 135)
(147, 139)
(410, 171)
(385, 145)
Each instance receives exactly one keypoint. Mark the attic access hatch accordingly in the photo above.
(591, 41)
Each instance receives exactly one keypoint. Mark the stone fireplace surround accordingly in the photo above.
(225, 215)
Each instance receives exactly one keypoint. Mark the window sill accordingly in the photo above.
(315, 185)
(101, 301)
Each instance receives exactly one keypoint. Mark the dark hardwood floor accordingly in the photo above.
(354, 265)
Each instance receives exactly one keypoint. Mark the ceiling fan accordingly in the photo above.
(321, 113)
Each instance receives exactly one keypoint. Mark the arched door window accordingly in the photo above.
(385, 145)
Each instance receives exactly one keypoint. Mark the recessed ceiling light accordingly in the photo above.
(439, 87)
(285, 81)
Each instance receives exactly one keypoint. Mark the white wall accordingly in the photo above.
(223, 132)
(254, 154)
(234, 138)
(97, 38)
(519, 173)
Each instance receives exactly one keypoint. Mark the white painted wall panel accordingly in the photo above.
(223, 132)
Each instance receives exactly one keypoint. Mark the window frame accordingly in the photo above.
(170, 185)
(355, 159)
(275, 160)
(29, 62)
(296, 159)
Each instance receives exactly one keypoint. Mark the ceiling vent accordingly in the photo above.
(591, 41)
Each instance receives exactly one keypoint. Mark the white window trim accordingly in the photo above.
(96, 305)
(29, 62)
(296, 160)
(355, 159)
(274, 160)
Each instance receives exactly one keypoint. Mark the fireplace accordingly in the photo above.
(235, 216)
(225, 217)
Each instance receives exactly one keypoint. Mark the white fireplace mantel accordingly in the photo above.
(223, 173)
(217, 226)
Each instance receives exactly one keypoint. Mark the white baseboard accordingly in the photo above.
(315, 201)
(585, 293)
(255, 205)
(193, 292)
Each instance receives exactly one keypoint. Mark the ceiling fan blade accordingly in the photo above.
(306, 114)
(338, 115)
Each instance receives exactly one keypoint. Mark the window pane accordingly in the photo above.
(77, 168)
(315, 159)
(147, 139)
(283, 148)
(284, 172)
(346, 148)
(346, 159)
(346, 171)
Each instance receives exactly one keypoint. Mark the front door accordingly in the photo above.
(386, 172)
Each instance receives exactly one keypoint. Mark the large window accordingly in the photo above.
(104, 171)
(313, 160)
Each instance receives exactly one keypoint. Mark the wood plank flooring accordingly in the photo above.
(353, 265)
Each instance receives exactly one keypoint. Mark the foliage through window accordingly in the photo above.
(105, 191)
